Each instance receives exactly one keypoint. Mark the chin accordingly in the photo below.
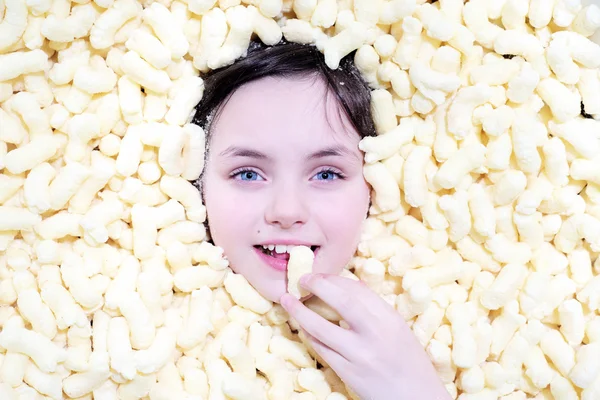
(274, 295)
(271, 288)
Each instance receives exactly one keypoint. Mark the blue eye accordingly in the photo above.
(328, 175)
(246, 175)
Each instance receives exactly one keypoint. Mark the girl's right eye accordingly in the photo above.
(246, 175)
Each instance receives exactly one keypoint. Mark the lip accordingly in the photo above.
(275, 263)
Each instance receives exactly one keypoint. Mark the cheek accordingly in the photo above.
(356, 203)
(230, 216)
(343, 221)
(220, 209)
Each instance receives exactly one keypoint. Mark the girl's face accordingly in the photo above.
(284, 168)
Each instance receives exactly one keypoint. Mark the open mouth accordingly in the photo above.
(279, 251)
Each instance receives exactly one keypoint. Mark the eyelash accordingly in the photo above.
(240, 171)
(327, 169)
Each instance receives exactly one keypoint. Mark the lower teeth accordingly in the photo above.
(271, 253)
(267, 251)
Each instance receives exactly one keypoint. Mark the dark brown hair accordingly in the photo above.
(287, 59)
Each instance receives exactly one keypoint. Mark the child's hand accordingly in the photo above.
(378, 357)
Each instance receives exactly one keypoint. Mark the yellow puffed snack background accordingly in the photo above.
(484, 231)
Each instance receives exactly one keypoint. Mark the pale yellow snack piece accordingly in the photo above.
(300, 263)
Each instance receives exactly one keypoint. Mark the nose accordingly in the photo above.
(288, 207)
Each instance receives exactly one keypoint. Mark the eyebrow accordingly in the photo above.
(234, 151)
(334, 151)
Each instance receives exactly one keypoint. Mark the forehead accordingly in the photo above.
(271, 108)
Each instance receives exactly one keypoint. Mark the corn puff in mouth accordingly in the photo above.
(300, 263)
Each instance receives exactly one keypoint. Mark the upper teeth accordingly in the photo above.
(279, 248)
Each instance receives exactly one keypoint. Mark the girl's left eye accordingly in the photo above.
(328, 175)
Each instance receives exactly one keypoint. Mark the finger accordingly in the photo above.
(331, 335)
(369, 298)
(335, 360)
(343, 296)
